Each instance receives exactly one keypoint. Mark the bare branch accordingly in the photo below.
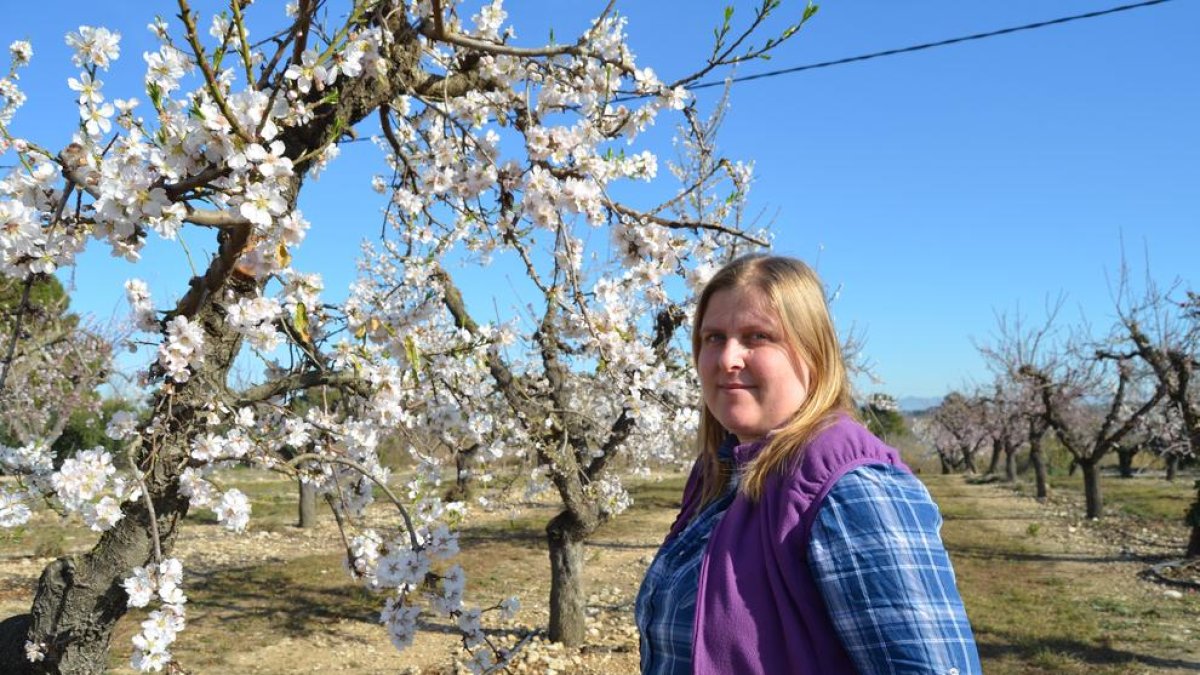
(299, 381)
(694, 226)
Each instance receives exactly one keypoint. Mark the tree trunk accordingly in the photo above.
(997, 450)
(80, 598)
(308, 504)
(1193, 519)
(1172, 466)
(1038, 459)
(463, 486)
(1091, 488)
(1010, 463)
(565, 535)
(945, 464)
(1125, 461)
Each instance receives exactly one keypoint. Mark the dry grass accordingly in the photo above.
(1045, 592)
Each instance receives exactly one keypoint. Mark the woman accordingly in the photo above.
(804, 544)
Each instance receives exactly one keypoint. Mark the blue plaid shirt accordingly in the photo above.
(666, 603)
(876, 556)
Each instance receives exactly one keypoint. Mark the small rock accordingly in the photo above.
(1173, 594)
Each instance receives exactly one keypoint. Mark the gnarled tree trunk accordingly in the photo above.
(464, 461)
(1010, 462)
(1091, 488)
(994, 463)
(1125, 460)
(566, 534)
(80, 598)
(1038, 458)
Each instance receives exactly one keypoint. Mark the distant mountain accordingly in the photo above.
(911, 404)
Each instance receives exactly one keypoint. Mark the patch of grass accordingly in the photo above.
(1143, 496)
(662, 494)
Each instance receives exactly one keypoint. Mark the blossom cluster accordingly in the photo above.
(86, 484)
(182, 350)
(159, 631)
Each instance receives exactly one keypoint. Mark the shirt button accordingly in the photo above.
(952, 671)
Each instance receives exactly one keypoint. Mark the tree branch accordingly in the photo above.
(298, 381)
(694, 226)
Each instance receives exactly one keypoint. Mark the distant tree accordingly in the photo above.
(1165, 335)
(87, 429)
(1015, 350)
(1092, 398)
(883, 418)
(954, 430)
(52, 363)
(1003, 419)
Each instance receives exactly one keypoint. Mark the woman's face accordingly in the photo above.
(751, 383)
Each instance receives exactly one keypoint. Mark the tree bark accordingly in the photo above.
(308, 505)
(997, 450)
(79, 598)
(1193, 519)
(1038, 459)
(1010, 463)
(945, 464)
(1091, 488)
(462, 489)
(1125, 461)
(565, 536)
(1172, 466)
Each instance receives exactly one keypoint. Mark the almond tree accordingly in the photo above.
(1015, 351)
(52, 361)
(956, 432)
(234, 121)
(1003, 415)
(1166, 336)
(1093, 399)
(592, 369)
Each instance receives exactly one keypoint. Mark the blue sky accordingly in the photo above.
(934, 188)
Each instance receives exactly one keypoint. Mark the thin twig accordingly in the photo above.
(412, 533)
(210, 78)
(16, 334)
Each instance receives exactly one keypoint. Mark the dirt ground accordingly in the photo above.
(295, 611)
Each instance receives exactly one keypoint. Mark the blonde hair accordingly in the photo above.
(795, 293)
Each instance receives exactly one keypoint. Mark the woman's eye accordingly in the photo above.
(712, 339)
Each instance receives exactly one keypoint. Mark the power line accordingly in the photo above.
(928, 45)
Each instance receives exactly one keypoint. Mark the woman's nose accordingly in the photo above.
(732, 355)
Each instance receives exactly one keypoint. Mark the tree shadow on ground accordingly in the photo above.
(233, 596)
(1099, 655)
(983, 553)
